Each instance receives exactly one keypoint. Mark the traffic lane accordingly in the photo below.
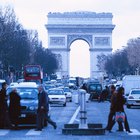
(62, 115)
(133, 115)
(98, 113)
(59, 114)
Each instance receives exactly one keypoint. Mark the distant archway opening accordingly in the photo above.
(79, 59)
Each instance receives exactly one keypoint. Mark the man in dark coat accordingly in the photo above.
(14, 108)
(43, 108)
(4, 117)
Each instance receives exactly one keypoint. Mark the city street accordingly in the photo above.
(96, 113)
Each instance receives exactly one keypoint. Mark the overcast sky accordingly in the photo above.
(32, 14)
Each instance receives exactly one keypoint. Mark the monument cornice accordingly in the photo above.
(64, 26)
(100, 49)
(59, 49)
(79, 14)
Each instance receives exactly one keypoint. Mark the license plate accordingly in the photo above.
(23, 115)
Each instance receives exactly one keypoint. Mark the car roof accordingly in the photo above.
(2, 81)
(56, 89)
(27, 84)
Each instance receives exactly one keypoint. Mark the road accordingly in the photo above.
(96, 113)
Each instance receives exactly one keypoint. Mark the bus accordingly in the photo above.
(33, 73)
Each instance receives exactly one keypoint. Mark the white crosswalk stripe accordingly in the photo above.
(32, 132)
(4, 132)
(134, 132)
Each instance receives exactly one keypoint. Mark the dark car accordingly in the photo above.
(28, 92)
(29, 102)
(94, 89)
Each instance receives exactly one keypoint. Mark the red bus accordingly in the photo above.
(33, 73)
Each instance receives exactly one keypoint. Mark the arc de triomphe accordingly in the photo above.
(94, 28)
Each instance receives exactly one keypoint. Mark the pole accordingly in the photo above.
(83, 112)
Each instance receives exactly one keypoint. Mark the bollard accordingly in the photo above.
(83, 112)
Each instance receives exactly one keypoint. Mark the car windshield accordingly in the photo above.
(95, 87)
(135, 92)
(92, 87)
(26, 93)
(55, 92)
(49, 86)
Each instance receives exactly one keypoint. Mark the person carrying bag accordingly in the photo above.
(120, 114)
(119, 117)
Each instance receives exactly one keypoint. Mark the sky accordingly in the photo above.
(32, 14)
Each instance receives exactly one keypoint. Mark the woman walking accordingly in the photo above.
(120, 101)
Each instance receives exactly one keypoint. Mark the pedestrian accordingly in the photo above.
(104, 94)
(14, 108)
(47, 118)
(112, 108)
(84, 87)
(43, 108)
(4, 115)
(120, 101)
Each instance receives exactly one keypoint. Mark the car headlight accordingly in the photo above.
(32, 108)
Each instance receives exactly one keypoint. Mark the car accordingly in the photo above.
(68, 93)
(133, 98)
(1, 81)
(28, 92)
(13, 84)
(94, 89)
(49, 86)
(57, 96)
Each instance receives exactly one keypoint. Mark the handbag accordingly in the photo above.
(120, 116)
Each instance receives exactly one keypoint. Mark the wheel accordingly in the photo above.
(64, 104)
(128, 106)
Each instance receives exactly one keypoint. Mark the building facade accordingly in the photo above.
(94, 28)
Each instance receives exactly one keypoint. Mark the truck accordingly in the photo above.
(130, 82)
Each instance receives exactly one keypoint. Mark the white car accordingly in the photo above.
(57, 96)
(1, 81)
(133, 98)
(68, 93)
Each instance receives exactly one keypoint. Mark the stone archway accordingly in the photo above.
(95, 28)
(79, 59)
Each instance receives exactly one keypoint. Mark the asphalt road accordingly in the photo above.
(96, 113)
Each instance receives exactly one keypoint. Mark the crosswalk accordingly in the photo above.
(4, 132)
(134, 132)
(32, 132)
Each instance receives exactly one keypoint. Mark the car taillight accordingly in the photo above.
(131, 97)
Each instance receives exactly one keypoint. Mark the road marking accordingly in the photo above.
(74, 116)
(77, 120)
(134, 132)
(33, 132)
(4, 132)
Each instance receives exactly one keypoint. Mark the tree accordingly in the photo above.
(19, 46)
(133, 52)
(14, 48)
(46, 59)
(101, 62)
(116, 63)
